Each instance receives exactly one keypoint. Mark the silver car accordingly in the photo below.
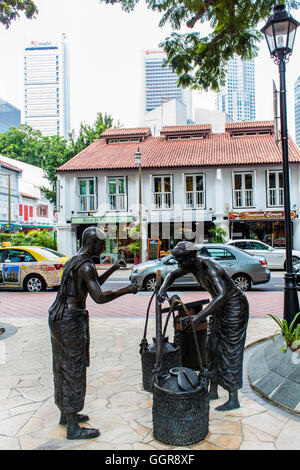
(245, 269)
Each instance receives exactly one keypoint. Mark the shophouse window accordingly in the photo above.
(243, 189)
(162, 192)
(274, 188)
(42, 210)
(194, 191)
(117, 194)
(87, 194)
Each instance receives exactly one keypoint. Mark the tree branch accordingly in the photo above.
(191, 23)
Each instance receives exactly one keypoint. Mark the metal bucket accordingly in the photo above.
(170, 352)
(180, 416)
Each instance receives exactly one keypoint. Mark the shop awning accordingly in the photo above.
(102, 220)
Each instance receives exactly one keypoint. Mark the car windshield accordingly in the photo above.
(167, 258)
(49, 253)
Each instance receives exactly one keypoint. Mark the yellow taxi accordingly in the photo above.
(31, 268)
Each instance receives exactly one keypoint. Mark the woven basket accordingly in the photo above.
(180, 419)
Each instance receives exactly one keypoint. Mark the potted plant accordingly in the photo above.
(291, 334)
(135, 247)
(218, 235)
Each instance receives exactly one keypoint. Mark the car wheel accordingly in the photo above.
(34, 283)
(150, 283)
(242, 281)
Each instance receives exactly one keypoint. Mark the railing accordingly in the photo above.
(87, 203)
(117, 202)
(163, 200)
(275, 196)
(194, 199)
(243, 197)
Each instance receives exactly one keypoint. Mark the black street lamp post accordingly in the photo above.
(280, 31)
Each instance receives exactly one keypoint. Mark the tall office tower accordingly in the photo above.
(10, 116)
(161, 83)
(46, 73)
(297, 110)
(237, 98)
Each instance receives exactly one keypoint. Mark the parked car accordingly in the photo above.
(245, 269)
(31, 268)
(297, 271)
(275, 256)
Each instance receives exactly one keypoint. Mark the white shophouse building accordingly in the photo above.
(192, 179)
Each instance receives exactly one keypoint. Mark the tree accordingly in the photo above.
(50, 152)
(200, 60)
(9, 10)
(87, 134)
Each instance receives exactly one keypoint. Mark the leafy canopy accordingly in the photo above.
(9, 10)
(28, 145)
(200, 60)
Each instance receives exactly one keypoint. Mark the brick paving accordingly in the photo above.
(16, 304)
(115, 400)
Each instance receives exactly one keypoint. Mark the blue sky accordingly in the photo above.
(106, 61)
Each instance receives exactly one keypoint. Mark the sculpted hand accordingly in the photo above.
(162, 295)
(132, 289)
(116, 265)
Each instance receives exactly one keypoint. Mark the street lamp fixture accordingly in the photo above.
(138, 161)
(280, 31)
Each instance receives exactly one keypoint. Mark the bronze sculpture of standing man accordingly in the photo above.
(68, 322)
(230, 310)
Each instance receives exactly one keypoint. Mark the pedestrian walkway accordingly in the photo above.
(115, 400)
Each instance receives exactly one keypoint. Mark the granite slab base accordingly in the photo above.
(275, 374)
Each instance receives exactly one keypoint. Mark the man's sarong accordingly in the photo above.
(227, 341)
(70, 347)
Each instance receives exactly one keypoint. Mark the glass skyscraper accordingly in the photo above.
(46, 79)
(237, 98)
(161, 83)
(297, 110)
(10, 116)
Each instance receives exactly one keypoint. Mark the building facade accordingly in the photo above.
(10, 116)
(192, 180)
(237, 98)
(46, 82)
(161, 83)
(297, 110)
(29, 207)
(9, 194)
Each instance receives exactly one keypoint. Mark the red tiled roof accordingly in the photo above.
(241, 125)
(158, 152)
(8, 165)
(138, 131)
(28, 195)
(190, 129)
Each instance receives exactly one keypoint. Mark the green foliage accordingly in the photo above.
(30, 146)
(135, 247)
(87, 134)
(9, 10)
(200, 60)
(41, 238)
(218, 235)
(291, 334)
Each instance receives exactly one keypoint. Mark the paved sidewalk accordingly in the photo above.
(115, 400)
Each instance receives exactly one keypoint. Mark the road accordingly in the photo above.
(275, 285)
